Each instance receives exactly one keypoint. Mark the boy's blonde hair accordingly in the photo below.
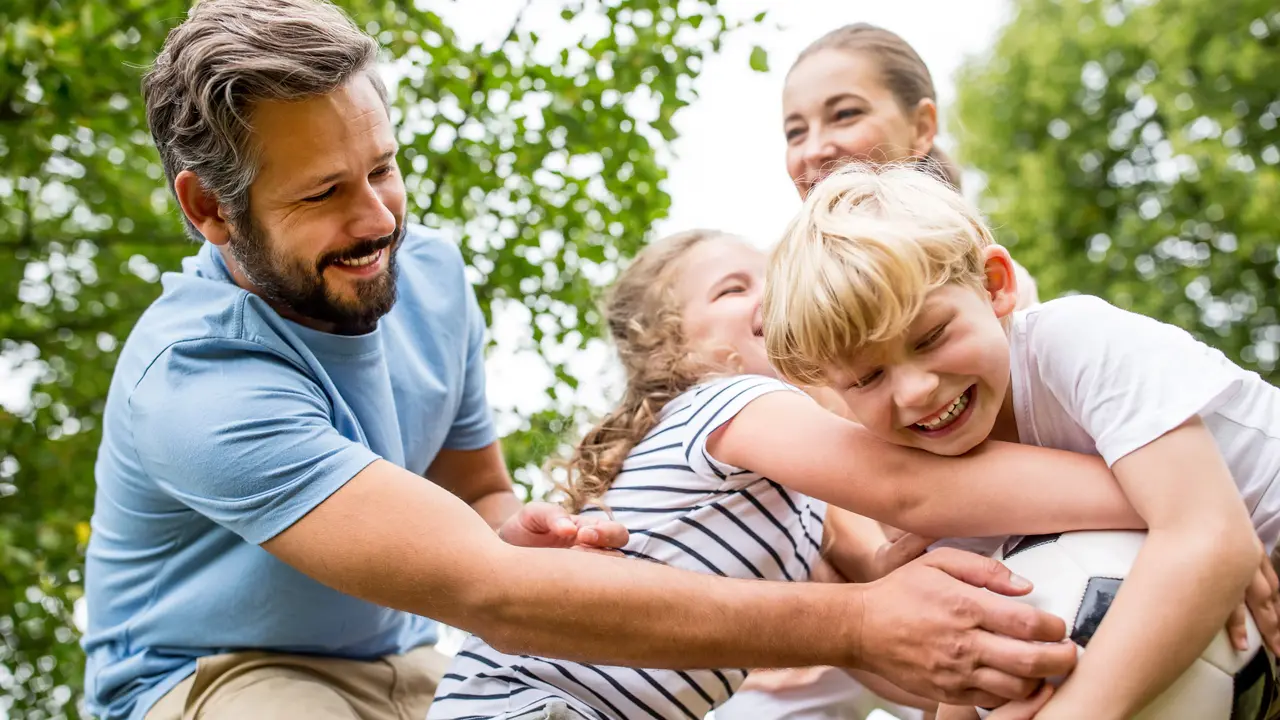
(857, 262)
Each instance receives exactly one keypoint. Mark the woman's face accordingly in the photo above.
(836, 108)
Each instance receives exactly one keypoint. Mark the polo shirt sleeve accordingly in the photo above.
(241, 435)
(472, 427)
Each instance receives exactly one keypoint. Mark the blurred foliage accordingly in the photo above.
(1131, 151)
(545, 160)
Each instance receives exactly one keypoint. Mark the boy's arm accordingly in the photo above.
(997, 489)
(1162, 619)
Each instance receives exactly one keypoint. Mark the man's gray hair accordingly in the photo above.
(229, 55)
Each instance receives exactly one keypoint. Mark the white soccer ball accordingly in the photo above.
(1076, 576)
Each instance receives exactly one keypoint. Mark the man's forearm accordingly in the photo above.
(497, 507)
(548, 602)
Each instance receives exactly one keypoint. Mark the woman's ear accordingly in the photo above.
(924, 121)
(201, 208)
(1000, 281)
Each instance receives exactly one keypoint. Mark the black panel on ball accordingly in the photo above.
(1255, 689)
(1026, 543)
(1098, 595)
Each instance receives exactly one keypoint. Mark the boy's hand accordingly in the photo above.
(1263, 603)
(546, 525)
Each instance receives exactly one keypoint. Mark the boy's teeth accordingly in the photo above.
(953, 411)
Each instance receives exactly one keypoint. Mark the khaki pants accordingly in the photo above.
(240, 686)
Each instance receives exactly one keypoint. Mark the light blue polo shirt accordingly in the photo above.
(224, 425)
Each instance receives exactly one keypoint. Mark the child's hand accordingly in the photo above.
(546, 525)
(902, 548)
(1262, 601)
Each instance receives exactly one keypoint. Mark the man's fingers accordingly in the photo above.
(1002, 685)
(1023, 709)
(1023, 622)
(979, 571)
(1025, 659)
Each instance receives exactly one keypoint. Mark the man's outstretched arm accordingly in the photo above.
(390, 538)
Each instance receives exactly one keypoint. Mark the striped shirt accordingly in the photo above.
(685, 509)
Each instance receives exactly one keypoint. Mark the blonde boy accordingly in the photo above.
(889, 289)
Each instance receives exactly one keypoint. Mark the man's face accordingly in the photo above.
(326, 210)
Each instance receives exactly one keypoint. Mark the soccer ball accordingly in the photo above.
(1076, 576)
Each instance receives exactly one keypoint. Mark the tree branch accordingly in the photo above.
(442, 167)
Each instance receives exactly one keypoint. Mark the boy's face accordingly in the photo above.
(942, 386)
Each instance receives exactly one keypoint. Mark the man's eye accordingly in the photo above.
(322, 196)
(380, 171)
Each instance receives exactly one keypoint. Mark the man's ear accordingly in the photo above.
(1000, 281)
(925, 123)
(201, 208)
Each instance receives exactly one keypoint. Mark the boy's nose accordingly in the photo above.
(916, 393)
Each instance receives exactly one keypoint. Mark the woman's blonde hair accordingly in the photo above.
(855, 265)
(642, 314)
(902, 71)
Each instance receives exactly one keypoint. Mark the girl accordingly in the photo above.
(717, 467)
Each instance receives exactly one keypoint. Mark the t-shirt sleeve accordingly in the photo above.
(240, 435)
(473, 427)
(1125, 378)
(715, 404)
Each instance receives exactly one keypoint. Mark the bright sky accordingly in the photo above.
(728, 167)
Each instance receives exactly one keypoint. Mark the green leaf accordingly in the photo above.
(759, 59)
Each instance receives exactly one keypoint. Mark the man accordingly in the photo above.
(265, 543)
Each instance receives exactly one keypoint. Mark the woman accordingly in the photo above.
(859, 92)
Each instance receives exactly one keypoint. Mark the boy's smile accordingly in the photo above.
(942, 386)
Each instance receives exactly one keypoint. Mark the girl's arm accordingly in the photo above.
(996, 489)
(1199, 555)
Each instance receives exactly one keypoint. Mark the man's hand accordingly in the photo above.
(546, 525)
(931, 628)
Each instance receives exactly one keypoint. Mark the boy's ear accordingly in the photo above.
(1000, 280)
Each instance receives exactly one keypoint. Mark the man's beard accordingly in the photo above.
(300, 285)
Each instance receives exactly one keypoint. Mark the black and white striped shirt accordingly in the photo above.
(683, 508)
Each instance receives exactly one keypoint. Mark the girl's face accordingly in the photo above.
(836, 108)
(720, 287)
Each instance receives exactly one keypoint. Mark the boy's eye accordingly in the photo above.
(866, 380)
(932, 338)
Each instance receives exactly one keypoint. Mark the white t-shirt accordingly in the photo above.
(683, 508)
(1092, 378)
